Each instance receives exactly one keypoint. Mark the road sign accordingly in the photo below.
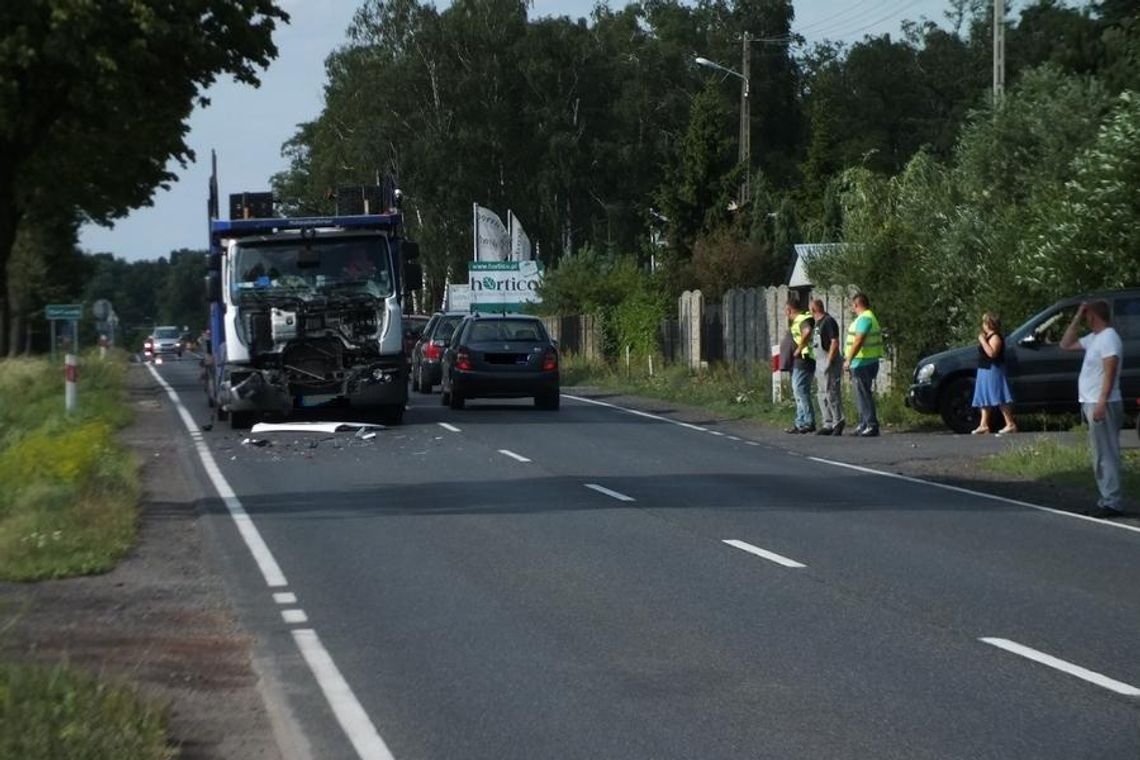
(101, 309)
(65, 311)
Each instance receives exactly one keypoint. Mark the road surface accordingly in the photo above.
(503, 582)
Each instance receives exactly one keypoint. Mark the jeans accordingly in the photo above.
(801, 390)
(863, 378)
(1104, 442)
(829, 387)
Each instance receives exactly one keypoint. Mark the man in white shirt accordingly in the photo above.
(1101, 403)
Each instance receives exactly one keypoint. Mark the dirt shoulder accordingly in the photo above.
(940, 456)
(161, 619)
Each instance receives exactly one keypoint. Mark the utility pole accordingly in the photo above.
(999, 50)
(746, 120)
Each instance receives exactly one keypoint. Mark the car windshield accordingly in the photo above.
(313, 268)
(527, 330)
(166, 333)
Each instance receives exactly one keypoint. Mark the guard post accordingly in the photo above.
(71, 313)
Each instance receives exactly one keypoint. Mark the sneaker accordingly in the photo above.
(1007, 431)
(808, 429)
(838, 430)
(792, 429)
(825, 431)
(869, 433)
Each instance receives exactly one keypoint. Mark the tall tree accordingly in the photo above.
(94, 98)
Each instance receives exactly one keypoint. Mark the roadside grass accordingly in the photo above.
(55, 712)
(1052, 461)
(70, 496)
(730, 391)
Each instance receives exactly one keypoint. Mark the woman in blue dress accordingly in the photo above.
(991, 387)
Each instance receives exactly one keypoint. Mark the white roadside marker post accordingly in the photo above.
(70, 382)
(777, 387)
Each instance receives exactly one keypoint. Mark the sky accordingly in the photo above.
(247, 126)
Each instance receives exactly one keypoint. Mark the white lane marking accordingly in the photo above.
(294, 616)
(733, 438)
(348, 711)
(448, 426)
(637, 413)
(980, 494)
(270, 570)
(513, 455)
(717, 432)
(608, 492)
(779, 559)
(351, 716)
(285, 597)
(1065, 667)
(752, 443)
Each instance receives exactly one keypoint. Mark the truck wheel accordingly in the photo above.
(392, 414)
(421, 385)
(456, 400)
(241, 420)
(955, 406)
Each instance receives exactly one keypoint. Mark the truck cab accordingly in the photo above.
(308, 311)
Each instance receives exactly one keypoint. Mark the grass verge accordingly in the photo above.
(1052, 461)
(69, 506)
(729, 391)
(58, 712)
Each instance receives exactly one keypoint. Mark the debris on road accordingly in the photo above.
(312, 427)
(259, 442)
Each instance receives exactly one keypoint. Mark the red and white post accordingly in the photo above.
(777, 386)
(70, 382)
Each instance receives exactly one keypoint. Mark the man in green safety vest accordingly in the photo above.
(801, 324)
(861, 356)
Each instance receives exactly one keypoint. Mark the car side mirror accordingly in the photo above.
(413, 277)
(213, 287)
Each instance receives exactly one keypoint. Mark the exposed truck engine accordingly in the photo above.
(308, 311)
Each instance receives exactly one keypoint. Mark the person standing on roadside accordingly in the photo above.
(800, 325)
(990, 386)
(1102, 406)
(861, 356)
(828, 370)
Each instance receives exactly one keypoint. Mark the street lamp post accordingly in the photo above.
(745, 154)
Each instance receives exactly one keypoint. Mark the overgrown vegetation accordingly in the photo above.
(69, 505)
(49, 713)
(1053, 461)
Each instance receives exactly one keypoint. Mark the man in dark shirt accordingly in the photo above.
(828, 370)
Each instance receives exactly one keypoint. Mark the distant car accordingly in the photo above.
(501, 356)
(164, 341)
(414, 325)
(428, 351)
(1042, 375)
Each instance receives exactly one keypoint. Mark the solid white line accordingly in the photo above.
(285, 597)
(448, 426)
(294, 616)
(349, 713)
(779, 559)
(513, 455)
(608, 492)
(351, 716)
(717, 432)
(1065, 667)
(270, 570)
(637, 413)
(980, 494)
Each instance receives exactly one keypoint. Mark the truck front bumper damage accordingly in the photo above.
(380, 383)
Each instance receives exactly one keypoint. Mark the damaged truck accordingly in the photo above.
(308, 311)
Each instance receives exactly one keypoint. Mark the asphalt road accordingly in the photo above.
(585, 603)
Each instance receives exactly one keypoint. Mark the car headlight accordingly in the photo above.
(925, 373)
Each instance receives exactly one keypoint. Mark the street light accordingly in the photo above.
(745, 156)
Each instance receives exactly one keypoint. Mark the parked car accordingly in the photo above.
(1042, 375)
(428, 351)
(164, 341)
(501, 356)
(414, 325)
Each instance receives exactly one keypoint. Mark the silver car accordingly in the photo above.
(164, 341)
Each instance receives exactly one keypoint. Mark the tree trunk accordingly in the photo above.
(9, 218)
(15, 331)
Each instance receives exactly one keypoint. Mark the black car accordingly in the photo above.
(501, 356)
(1042, 375)
(428, 351)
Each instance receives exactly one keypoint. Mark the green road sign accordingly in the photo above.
(68, 311)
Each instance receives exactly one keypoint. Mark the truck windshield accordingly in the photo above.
(314, 267)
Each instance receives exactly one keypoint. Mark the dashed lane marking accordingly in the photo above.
(779, 559)
(609, 492)
(285, 597)
(1064, 666)
(513, 455)
(448, 426)
(294, 617)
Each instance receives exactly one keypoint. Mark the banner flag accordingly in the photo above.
(520, 242)
(492, 242)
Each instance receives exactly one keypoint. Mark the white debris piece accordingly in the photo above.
(311, 427)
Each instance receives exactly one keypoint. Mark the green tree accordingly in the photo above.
(94, 98)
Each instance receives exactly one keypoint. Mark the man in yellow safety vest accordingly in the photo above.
(801, 324)
(861, 356)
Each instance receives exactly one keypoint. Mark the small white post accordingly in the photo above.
(651, 365)
(628, 369)
(777, 387)
(71, 382)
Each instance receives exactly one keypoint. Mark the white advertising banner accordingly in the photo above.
(504, 286)
(458, 297)
(492, 241)
(521, 249)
